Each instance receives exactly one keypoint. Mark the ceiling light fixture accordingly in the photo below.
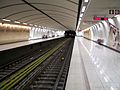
(25, 23)
(86, 0)
(6, 20)
(78, 25)
(30, 24)
(81, 14)
(80, 19)
(16, 22)
(83, 9)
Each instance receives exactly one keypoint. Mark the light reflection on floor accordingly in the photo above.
(105, 65)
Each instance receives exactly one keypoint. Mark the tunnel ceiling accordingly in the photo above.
(98, 8)
(62, 14)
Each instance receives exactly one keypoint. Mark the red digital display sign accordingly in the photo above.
(100, 18)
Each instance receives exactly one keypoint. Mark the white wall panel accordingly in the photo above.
(103, 31)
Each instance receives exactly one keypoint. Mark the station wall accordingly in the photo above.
(40, 32)
(10, 32)
(87, 33)
(108, 31)
(13, 33)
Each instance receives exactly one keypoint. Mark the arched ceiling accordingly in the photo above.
(98, 8)
(58, 14)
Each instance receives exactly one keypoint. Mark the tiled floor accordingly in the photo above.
(97, 67)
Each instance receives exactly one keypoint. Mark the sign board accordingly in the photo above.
(114, 11)
(98, 18)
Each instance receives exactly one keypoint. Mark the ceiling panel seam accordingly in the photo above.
(55, 16)
(44, 13)
(37, 3)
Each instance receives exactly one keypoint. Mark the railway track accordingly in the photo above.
(54, 75)
(10, 68)
(49, 70)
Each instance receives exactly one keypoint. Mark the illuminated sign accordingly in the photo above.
(100, 18)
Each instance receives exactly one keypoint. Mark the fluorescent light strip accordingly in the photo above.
(78, 24)
(25, 23)
(83, 9)
(86, 0)
(81, 14)
(16, 22)
(6, 20)
(31, 24)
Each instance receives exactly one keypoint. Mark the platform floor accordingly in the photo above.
(93, 67)
(24, 43)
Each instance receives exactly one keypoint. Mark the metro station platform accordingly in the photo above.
(93, 67)
(23, 43)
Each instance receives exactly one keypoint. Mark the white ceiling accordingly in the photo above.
(63, 11)
(98, 8)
